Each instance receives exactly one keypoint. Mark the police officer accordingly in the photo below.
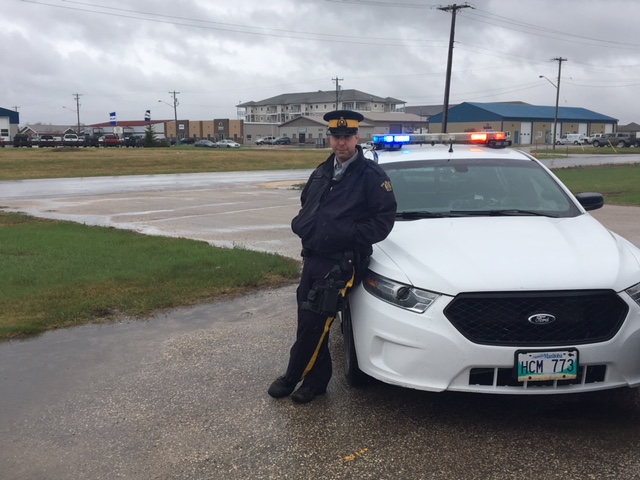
(347, 205)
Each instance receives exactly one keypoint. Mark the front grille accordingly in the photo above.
(581, 317)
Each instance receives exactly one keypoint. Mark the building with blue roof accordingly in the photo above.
(524, 124)
(9, 120)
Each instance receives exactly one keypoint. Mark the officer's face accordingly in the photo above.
(344, 146)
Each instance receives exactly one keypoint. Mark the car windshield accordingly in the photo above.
(432, 189)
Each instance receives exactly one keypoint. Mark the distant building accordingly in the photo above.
(38, 129)
(124, 128)
(9, 121)
(313, 129)
(289, 106)
(630, 128)
(524, 124)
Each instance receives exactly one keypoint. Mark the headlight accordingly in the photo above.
(398, 294)
(634, 292)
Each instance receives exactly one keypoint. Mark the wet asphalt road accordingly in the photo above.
(183, 395)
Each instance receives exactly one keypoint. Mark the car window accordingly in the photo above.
(477, 186)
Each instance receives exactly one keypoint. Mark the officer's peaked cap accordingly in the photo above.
(343, 122)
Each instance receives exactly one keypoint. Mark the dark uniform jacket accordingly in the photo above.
(350, 214)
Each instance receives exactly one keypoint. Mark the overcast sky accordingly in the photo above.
(124, 56)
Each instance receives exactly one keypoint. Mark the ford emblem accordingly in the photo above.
(541, 319)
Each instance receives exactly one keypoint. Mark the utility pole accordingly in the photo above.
(175, 113)
(77, 97)
(337, 90)
(16, 107)
(555, 120)
(445, 107)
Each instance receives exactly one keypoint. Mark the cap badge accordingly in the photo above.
(342, 122)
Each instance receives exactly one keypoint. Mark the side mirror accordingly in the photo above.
(590, 200)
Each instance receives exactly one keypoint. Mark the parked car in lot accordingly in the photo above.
(592, 137)
(495, 278)
(205, 144)
(227, 144)
(268, 140)
(187, 141)
(132, 141)
(619, 140)
(282, 141)
(111, 140)
(93, 140)
(21, 140)
(47, 140)
(571, 139)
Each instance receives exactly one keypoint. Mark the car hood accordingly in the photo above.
(474, 254)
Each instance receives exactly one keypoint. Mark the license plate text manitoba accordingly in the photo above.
(549, 365)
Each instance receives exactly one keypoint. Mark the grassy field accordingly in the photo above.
(546, 152)
(27, 163)
(59, 274)
(620, 184)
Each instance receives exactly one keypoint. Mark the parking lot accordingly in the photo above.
(183, 394)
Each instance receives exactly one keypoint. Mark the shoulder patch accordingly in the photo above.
(387, 186)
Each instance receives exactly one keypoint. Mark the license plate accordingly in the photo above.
(547, 365)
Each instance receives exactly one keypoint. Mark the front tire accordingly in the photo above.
(355, 377)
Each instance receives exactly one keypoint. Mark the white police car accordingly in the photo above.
(495, 279)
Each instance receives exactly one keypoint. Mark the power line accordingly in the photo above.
(237, 28)
(518, 26)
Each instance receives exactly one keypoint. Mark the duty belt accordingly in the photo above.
(306, 252)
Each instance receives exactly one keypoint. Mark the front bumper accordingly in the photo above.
(426, 352)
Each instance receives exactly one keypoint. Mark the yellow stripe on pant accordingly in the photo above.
(327, 327)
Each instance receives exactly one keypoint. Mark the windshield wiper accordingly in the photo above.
(505, 212)
(419, 214)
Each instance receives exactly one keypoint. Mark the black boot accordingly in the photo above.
(281, 388)
(306, 393)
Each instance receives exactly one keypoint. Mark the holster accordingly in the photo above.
(327, 299)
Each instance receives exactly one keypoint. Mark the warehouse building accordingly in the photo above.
(524, 124)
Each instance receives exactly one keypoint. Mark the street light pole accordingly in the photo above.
(175, 113)
(555, 118)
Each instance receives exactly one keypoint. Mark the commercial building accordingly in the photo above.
(524, 124)
(9, 121)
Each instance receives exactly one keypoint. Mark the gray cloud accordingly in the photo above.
(126, 56)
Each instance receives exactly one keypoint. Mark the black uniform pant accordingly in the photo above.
(309, 358)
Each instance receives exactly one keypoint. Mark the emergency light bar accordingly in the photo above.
(488, 139)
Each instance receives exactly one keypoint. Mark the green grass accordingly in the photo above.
(546, 152)
(26, 163)
(620, 184)
(59, 274)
